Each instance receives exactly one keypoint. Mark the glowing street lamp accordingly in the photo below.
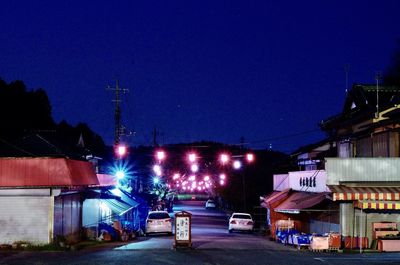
(194, 168)
(192, 157)
(160, 155)
(206, 178)
(222, 176)
(237, 164)
(224, 158)
(157, 170)
(221, 182)
(176, 176)
(156, 180)
(121, 150)
(250, 157)
(120, 174)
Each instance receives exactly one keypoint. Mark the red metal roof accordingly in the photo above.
(45, 172)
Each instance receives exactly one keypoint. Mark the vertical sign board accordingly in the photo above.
(183, 229)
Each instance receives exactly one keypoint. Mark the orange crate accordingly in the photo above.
(335, 240)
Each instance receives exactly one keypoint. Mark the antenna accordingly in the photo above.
(346, 71)
(117, 112)
(377, 78)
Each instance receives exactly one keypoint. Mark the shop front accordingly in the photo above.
(369, 216)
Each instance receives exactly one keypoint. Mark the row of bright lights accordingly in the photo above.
(191, 183)
(192, 158)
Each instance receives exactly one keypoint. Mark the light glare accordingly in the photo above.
(237, 164)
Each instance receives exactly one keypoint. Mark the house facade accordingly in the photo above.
(41, 198)
(365, 176)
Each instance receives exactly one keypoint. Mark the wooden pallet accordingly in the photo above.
(335, 249)
(318, 250)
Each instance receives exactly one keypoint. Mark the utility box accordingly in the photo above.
(183, 229)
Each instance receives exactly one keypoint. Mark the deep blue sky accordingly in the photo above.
(198, 70)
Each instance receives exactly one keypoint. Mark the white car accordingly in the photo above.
(210, 204)
(158, 222)
(241, 222)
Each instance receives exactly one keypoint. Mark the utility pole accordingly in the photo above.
(346, 71)
(156, 139)
(377, 78)
(117, 111)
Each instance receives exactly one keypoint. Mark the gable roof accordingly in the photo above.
(45, 172)
(360, 105)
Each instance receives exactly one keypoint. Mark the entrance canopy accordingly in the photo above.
(299, 201)
(344, 193)
(274, 197)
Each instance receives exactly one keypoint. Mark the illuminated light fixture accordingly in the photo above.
(237, 164)
(222, 176)
(224, 158)
(157, 170)
(207, 185)
(160, 155)
(176, 176)
(222, 182)
(156, 180)
(206, 178)
(121, 150)
(199, 188)
(120, 174)
(192, 157)
(194, 168)
(194, 184)
(184, 187)
(250, 157)
(192, 178)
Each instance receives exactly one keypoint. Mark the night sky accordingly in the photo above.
(199, 70)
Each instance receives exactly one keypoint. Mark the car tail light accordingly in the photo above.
(249, 222)
(233, 222)
(168, 221)
(149, 221)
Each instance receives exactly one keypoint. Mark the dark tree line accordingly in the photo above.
(25, 112)
(392, 74)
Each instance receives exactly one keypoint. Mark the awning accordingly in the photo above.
(274, 197)
(125, 197)
(299, 201)
(343, 193)
(377, 205)
(116, 206)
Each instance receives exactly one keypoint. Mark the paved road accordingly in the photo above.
(209, 231)
(212, 245)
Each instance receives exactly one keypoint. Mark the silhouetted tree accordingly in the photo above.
(392, 75)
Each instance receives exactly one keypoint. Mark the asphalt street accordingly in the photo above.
(212, 244)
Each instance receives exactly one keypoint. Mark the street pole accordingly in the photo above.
(244, 192)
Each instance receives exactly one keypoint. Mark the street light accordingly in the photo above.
(160, 155)
(157, 170)
(194, 168)
(156, 180)
(192, 157)
(121, 150)
(224, 158)
(250, 157)
(237, 164)
(120, 174)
